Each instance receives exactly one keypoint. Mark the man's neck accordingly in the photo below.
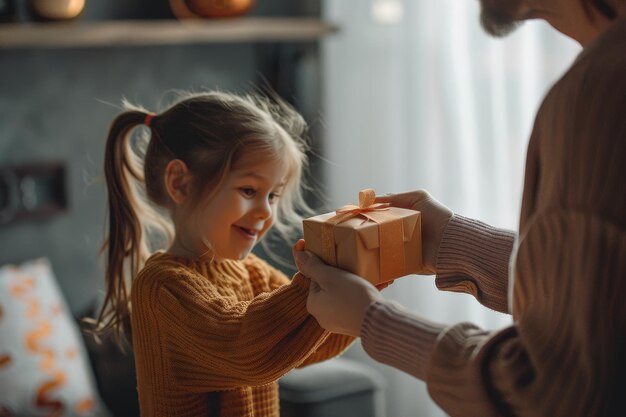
(584, 26)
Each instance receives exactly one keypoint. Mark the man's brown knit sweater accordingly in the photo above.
(565, 284)
(212, 338)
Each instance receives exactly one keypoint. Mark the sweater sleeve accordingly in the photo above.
(568, 277)
(334, 344)
(260, 270)
(218, 344)
(393, 336)
(474, 258)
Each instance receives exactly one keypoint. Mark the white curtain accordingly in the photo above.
(416, 95)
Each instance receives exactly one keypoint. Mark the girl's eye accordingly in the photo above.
(274, 196)
(248, 192)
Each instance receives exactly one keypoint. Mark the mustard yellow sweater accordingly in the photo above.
(212, 338)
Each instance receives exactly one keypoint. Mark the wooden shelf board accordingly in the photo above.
(161, 32)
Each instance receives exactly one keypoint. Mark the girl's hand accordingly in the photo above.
(337, 299)
(299, 246)
(435, 217)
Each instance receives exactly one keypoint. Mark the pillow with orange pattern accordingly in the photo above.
(44, 370)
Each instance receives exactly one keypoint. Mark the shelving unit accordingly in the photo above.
(161, 32)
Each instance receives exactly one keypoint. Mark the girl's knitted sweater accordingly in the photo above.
(212, 338)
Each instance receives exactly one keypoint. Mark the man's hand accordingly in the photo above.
(435, 217)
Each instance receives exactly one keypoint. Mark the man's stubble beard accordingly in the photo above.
(501, 17)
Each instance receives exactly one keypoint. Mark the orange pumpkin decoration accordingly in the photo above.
(210, 8)
(57, 9)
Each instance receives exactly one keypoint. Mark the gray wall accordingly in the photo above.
(56, 105)
(53, 107)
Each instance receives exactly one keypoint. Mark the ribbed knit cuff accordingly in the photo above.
(301, 281)
(393, 336)
(474, 258)
(455, 373)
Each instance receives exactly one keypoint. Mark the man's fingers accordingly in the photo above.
(404, 200)
(384, 198)
(395, 200)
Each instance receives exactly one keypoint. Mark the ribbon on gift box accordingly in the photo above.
(390, 233)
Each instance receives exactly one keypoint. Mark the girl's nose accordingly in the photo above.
(263, 209)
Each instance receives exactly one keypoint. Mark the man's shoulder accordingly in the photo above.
(600, 67)
(591, 95)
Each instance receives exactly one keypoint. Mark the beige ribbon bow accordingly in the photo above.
(390, 233)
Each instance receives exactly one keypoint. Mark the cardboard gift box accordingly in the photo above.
(375, 241)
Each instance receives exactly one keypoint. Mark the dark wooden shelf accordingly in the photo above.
(161, 32)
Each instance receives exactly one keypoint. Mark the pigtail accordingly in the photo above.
(126, 246)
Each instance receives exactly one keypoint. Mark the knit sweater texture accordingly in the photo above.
(212, 338)
(563, 278)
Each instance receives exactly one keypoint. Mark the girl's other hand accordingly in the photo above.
(435, 217)
(299, 247)
(337, 299)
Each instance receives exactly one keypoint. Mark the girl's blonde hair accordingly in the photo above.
(209, 132)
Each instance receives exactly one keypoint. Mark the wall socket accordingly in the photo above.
(32, 191)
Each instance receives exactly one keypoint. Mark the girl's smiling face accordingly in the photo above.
(241, 211)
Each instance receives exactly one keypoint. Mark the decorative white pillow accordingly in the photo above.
(44, 370)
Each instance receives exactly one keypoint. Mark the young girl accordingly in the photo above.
(213, 326)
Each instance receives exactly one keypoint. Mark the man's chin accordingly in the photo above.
(500, 17)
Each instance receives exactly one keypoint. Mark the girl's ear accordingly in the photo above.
(177, 181)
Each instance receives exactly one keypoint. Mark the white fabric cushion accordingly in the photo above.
(44, 369)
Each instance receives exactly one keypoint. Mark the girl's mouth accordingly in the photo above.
(247, 233)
